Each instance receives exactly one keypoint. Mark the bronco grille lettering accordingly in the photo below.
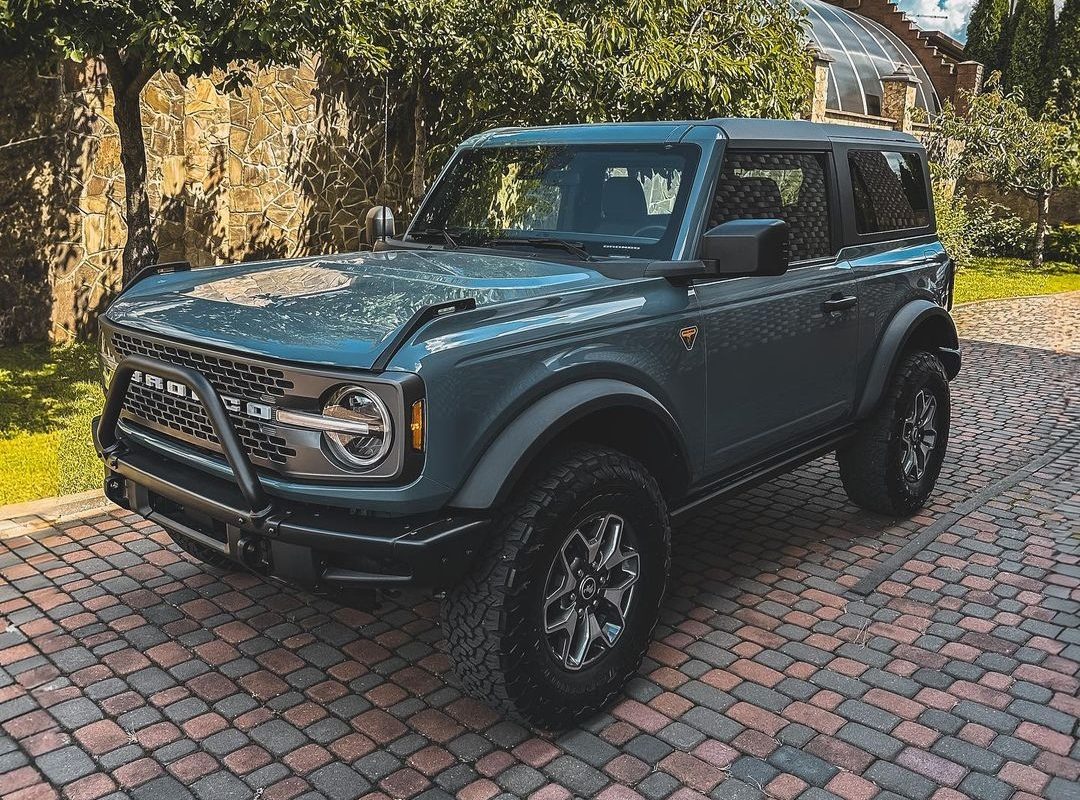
(233, 405)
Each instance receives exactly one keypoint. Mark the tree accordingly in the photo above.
(136, 39)
(1066, 57)
(452, 67)
(998, 139)
(466, 65)
(984, 33)
(1025, 62)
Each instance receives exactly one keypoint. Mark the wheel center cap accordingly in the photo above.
(587, 588)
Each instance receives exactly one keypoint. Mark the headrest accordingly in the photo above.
(623, 198)
(747, 197)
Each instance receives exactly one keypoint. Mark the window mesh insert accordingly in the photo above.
(787, 186)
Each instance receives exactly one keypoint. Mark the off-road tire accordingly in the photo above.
(870, 463)
(493, 620)
(214, 561)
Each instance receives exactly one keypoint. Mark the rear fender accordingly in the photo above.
(921, 324)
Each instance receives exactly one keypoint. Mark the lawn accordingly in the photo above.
(990, 278)
(48, 394)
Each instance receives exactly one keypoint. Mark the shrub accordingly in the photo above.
(954, 224)
(999, 233)
(1063, 244)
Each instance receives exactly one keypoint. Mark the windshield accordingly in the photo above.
(613, 201)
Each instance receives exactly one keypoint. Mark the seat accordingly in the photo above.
(745, 197)
(622, 207)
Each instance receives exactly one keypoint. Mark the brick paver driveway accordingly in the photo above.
(806, 649)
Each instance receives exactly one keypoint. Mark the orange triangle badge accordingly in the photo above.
(689, 336)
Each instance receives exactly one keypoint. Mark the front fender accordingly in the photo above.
(921, 323)
(514, 449)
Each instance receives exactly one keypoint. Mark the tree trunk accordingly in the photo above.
(419, 146)
(1043, 199)
(127, 82)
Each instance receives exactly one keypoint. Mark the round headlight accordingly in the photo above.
(368, 436)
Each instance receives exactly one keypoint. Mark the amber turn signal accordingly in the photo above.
(416, 425)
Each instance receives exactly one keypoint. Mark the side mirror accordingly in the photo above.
(746, 247)
(379, 224)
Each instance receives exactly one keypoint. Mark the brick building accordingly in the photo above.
(874, 65)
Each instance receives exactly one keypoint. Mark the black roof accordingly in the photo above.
(804, 131)
(779, 132)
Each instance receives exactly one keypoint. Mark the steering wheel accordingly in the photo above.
(651, 230)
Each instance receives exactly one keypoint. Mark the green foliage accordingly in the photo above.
(187, 38)
(1066, 57)
(463, 65)
(1025, 67)
(998, 139)
(994, 231)
(1002, 234)
(954, 223)
(985, 31)
(1063, 244)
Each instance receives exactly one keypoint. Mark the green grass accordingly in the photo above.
(48, 394)
(991, 278)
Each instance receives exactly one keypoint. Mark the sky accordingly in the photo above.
(950, 16)
(954, 12)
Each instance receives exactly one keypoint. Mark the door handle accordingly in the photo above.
(835, 305)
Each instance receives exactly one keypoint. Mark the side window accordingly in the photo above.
(787, 186)
(889, 191)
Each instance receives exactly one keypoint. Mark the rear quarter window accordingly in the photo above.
(889, 190)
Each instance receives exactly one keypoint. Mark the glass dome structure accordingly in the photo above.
(863, 52)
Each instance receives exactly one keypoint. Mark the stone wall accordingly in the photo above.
(288, 166)
(1064, 205)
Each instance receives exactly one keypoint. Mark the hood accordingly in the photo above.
(339, 310)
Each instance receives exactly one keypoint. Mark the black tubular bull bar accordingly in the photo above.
(281, 539)
(246, 478)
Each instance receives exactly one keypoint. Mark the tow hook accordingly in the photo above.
(252, 553)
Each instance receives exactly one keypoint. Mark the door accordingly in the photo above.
(780, 350)
(895, 255)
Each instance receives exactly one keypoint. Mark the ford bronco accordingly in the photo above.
(584, 333)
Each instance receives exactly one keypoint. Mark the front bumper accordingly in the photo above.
(316, 548)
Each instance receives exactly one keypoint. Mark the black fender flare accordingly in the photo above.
(517, 445)
(935, 331)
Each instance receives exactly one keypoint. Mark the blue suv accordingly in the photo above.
(584, 333)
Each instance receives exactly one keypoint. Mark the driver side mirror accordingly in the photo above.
(744, 247)
(379, 224)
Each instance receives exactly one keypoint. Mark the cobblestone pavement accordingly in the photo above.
(806, 649)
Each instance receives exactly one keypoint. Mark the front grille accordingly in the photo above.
(186, 416)
(230, 377)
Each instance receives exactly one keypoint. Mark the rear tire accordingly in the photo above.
(893, 462)
(588, 540)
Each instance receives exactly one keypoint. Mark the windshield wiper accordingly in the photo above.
(540, 241)
(448, 241)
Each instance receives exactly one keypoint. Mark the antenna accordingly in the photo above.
(386, 131)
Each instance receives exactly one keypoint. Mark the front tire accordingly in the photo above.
(558, 615)
(893, 462)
